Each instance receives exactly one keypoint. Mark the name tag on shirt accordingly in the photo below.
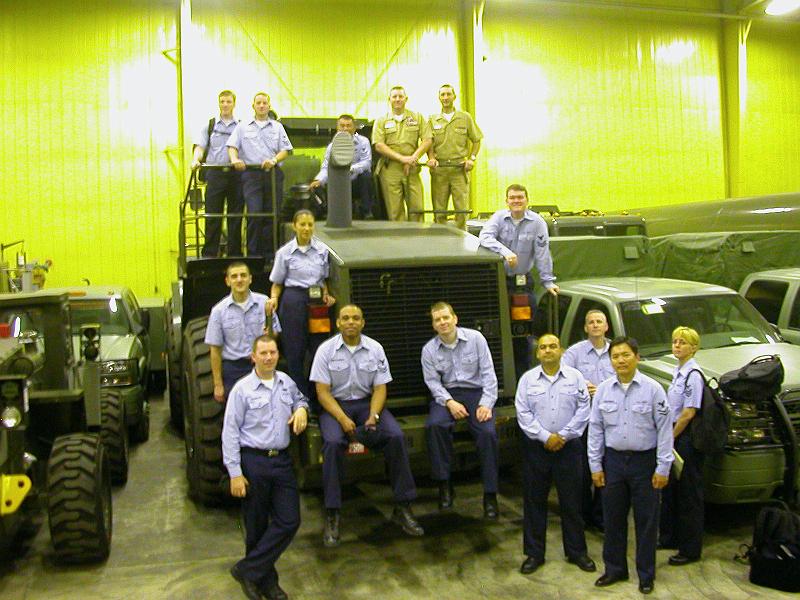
(437, 126)
(388, 125)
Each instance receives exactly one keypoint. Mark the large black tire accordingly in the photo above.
(79, 498)
(202, 419)
(174, 374)
(114, 433)
(141, 431)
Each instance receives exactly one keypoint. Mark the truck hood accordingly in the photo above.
(717, 361)
(113, 347)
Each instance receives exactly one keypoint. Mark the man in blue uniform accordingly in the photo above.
(360, 170)
(591, 358)
(262, 408)
(351, 372)
(261, 141)
(630, 455)
(235, 322)
(520, 236)
(459, 371)
(222, 185)
(552, 405)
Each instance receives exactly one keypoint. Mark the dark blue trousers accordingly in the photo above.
(540, 468)
(222, 187)
(388, 438)
(629, 483)
(682, 503)
(296, 341)
(591, 497)
(257, 187)
(439, 434)
(362, 188)
(233, 371)
(271, 513)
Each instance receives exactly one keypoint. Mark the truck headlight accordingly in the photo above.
(119, 372)
(10, 417)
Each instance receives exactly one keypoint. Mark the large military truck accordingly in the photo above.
(754, 465)
(62, 440)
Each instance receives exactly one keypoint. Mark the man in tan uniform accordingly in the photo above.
(456, 143)
(401, 137)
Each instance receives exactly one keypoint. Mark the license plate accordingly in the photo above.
(522, 280)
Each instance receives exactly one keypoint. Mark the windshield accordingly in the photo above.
(721, 320)
(110, 314)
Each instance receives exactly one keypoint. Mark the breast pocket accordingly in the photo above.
(609, 411)
(367, 365)
(232, 327)
(536, 400)
(218, 140)
(340, 372)
(255, 320)
(567, 404)
(642, 415)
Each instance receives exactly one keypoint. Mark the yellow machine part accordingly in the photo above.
(13, 489)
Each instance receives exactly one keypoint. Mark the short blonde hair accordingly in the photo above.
(687, 334)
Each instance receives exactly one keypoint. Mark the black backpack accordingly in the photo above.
(775, 554)
(758, 380)
(709, 427)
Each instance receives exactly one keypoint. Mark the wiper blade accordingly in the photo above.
(742, 343)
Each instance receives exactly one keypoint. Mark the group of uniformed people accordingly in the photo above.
(245, 155)
(593, 390)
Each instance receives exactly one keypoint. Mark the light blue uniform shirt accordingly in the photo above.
(218, 151)
(545, 407)
(529, 241)
(685, 391)
(634, 420)
(595, 369)
(362, 159)
(257, 144)
(295, 268)
(258, 417)
(235, 329)
(351, 375)
(468, 365)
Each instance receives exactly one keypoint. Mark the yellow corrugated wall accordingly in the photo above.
(602, 108)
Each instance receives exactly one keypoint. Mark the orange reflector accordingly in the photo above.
(519, 300)
(520, 313)
(76, 293)
(319, 325)
(317, 311)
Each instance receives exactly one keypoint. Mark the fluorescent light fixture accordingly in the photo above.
(782, 7)
(766, 211)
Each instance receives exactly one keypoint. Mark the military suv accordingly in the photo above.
(124, 346)
(753, 465)
(776, 295)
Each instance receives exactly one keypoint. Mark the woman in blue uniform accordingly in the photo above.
(300, 266)
(682, 500)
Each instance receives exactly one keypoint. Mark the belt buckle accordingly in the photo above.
(272, 453)
(521, 280)
(315, 292)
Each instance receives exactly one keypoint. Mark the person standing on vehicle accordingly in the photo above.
(235, 322)
(456, 141)
(520, 236)
(401, 137)
(264, 409)
(351, 372)
(222, 185)
(591, 358)
(299, 274)
(552, 405)
(630, 454)
(682, 501)
(458, 370)
(360, 170)
(262, 141)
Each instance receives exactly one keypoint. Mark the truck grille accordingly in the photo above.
(396, 302)
(791, 401)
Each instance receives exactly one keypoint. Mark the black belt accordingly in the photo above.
(238, 361)
(270, 453)
(632, 452)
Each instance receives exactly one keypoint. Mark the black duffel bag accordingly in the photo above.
(758, 380)
(774, 556)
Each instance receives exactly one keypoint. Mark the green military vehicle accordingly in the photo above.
(753, 466)
(576, 223)
(776, 295)
(62, 440)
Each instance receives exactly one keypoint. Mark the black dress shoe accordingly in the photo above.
(605, 579)
(330, 536)
(646, 587)
(249, 587)
(678, 560)
(490, 510)
(445, 495)
(273, 591)
(530, 565)
(403, 516)
(584, 563)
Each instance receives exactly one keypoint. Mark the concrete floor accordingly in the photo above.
(166, 547)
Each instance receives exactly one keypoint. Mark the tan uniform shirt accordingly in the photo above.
(453, 141)
(402, 137)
